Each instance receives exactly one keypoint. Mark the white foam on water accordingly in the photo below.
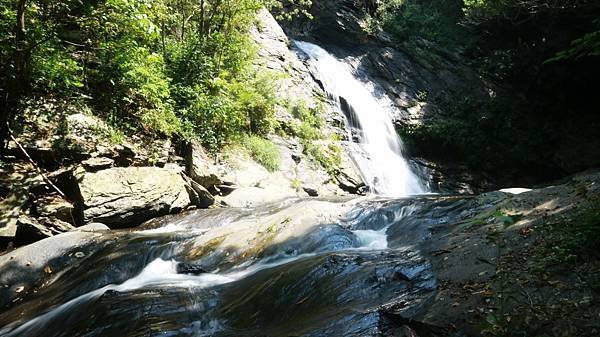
(157, 273)
(164, 273)
(515, 190)
(371, 239)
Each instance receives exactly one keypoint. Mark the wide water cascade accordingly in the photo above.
(380, 156)
(301, 268)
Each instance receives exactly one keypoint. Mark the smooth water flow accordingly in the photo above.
(381, 163)
(326, 274)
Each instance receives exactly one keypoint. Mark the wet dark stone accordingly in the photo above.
(190, 269)
(311, 191)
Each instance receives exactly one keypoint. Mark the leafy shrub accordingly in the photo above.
(159, 67)
(147, 91)
(56, 71)
(264, 152)
(214, 119)
(308, 128)
(309, 121)
(328, 156)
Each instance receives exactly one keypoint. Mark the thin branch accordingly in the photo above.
(72, 43)
(37, 168)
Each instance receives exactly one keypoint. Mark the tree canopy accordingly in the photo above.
(171, 67)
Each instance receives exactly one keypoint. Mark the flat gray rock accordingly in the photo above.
(125, 197)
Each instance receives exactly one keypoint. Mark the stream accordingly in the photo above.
(301, 267)
(239, 272)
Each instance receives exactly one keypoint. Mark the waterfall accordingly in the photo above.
(379, 149)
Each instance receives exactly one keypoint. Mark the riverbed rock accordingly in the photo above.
(200, 167)
(18, 180)
(199, 195)
(98, 163)
(54, 206)
(348, 176)
(121, 197)
(92, 227)
(29, 267)
(31, 229)
(311, 191)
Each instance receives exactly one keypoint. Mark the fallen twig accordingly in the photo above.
(38, 169)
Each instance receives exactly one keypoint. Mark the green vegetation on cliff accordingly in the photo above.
(152, 67)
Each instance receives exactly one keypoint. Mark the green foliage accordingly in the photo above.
(155, 67)
(289, 9)
(213, 119)
(308, 123)
(296, 184)
(408, 19)
(55, 70)
(307, 126)
(586, 46)
(255, 99)
(264, 152)
(146, 91)
(328, 156)
(229, 108)
(496, 136)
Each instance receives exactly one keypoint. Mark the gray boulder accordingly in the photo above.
(200, 166)
(199, 195)
(31, 229)
(124, 197)
(92, 228)
(348, 176)
(98, 163)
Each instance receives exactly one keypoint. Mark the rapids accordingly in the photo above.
(281, 271)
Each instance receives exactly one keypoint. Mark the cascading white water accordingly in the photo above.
(382, 164)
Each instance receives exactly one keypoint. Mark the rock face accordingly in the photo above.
(122, 197)
(31, 229)
(199, 195)
(200, 167)
(29, 208)
(421, 78)
(10, 207)
(341, 21)
(300, 86)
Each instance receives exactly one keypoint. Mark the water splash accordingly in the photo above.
(380, 155)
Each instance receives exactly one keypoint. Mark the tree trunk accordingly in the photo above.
(16, 83)
(202, 13)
